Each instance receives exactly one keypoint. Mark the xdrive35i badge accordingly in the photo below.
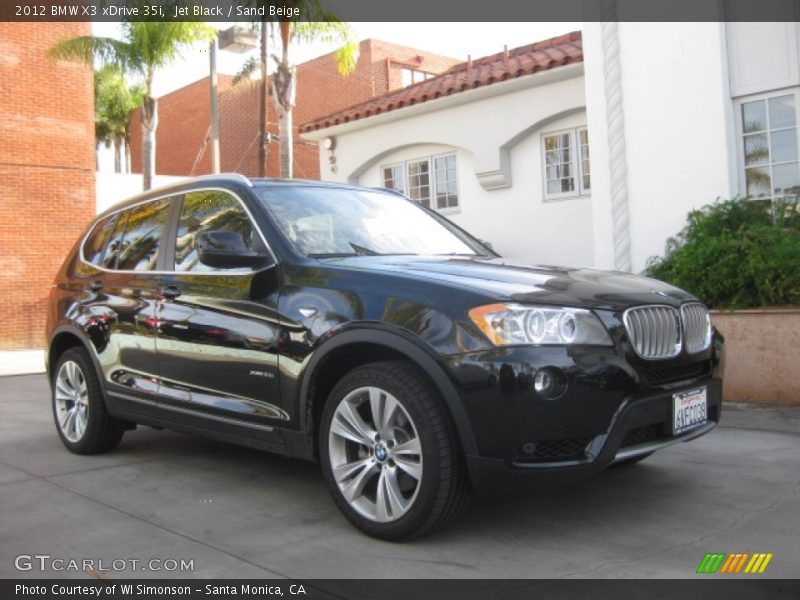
(263, 374)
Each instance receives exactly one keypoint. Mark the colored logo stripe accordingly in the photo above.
(759, 562)
(721, 562)
(734, 563)
(711, 562)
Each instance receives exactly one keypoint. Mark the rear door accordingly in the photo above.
(123, 301)
(217, 328)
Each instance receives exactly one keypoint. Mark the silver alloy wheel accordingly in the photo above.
(72, 401)
(375, 454)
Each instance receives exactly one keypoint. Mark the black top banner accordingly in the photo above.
(400, 10)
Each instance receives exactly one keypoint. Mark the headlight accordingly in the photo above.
(509, 324)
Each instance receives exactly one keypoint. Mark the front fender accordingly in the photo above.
(404, 343)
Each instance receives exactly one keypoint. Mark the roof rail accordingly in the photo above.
(231, 176)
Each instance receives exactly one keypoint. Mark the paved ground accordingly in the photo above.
(243, 513)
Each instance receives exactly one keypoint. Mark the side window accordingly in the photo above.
(115, 243)
(210, 210)
(95, 244)
(144, 230)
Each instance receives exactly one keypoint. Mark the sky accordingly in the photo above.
(450, 39)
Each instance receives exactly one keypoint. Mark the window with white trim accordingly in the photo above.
(394, 178)
(566, 163)
(419, 181)
(446, 180)
(769, 147)
(411, 76)
(432, 180)
(583, 156)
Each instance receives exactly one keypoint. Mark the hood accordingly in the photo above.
(502, 280)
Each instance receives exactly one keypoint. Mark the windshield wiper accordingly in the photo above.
(358, 251)
(362, 250)
(331, 254)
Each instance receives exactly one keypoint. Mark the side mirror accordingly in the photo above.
(225, 250)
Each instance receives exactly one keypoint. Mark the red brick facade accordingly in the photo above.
(184, 114)
(46, 169)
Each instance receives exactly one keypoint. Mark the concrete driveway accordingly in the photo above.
(242, 513)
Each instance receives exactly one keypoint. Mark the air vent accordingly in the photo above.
(696, 327)
(654, 331)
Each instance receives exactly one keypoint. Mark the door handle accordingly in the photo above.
(96, 286)
(171, 292)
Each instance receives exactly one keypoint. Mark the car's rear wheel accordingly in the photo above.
(389, 453)
(82, 421)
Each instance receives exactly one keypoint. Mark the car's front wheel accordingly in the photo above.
(82, 421)
(389, 452)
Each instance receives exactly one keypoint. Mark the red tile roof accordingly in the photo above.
(519, 62)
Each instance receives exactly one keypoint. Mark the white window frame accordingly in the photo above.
(403, 179)
(575, 163)
(584, 191)
(428, 160)
(416, 75)
(431, 179)
(434, 200)
(740, 158)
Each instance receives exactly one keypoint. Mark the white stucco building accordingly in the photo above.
(591, 148)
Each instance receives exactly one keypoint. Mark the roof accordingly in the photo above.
(519, 62)
(234, 180)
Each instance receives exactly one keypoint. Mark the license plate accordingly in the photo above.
(689, 410)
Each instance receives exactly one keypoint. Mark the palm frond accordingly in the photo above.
(88, 49)
(331, 32)
(251, 66)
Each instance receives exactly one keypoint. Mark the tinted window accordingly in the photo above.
(143, 232)
(115, 244)
(95, 244)
(209, 211)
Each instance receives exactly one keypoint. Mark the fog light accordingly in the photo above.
(549, 382)
(543, 381)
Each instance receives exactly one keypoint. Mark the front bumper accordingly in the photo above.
(642, 424)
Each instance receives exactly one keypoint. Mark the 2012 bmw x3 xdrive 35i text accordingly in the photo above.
(355, 327)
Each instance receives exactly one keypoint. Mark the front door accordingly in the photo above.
(217, 328)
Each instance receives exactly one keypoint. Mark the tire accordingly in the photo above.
(631, 461)
(90, 430)
(418, 440)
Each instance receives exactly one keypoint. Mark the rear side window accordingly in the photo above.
(210, 210)
(144, 230)
(115, 243)
(95, 245)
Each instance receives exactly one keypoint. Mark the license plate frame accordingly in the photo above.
(689, 410)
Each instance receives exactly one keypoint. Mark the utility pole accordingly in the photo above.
(234, 39)
(214, 108)
(262, 105)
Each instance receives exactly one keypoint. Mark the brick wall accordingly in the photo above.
(184, 114)
(46, 169)
(184, 117)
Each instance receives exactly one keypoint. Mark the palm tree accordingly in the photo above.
(114, 100)
(284, 84)
(146, 47)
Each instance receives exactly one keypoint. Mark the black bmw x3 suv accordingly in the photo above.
(356, 328)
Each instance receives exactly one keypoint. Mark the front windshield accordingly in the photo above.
(326, 221)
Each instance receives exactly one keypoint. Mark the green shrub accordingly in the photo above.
(736, 254)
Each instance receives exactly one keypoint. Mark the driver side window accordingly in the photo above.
(210, 210)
